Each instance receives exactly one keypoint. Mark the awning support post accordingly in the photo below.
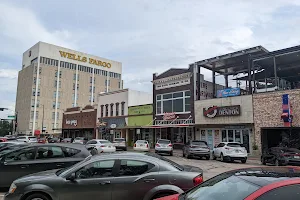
(275, 72)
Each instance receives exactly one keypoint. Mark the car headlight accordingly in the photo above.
(12, 188)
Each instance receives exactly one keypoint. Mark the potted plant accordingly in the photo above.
(255, 150)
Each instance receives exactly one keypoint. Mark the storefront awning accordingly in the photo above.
(171, 123)
(115, 122)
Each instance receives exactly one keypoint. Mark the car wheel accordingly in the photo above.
(277, 162)
(213, 156)
(263, 161)
(222, 157)
(244, 161)
(171, 153)
(183, 154)
(94, 151)
(188, 156)
(37, 196)
(207, 157)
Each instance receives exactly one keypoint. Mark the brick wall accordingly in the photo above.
(267, 108)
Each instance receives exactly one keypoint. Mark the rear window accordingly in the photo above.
(142, 142)
(104, 141)
(234, 145)
(21, 137)
(198, 143)
(164, 141)
(119, 140)
(174, 164)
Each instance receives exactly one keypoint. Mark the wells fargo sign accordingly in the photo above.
(84, 59)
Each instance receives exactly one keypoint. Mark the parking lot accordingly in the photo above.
(210, 167)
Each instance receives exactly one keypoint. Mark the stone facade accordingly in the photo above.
(267, 108)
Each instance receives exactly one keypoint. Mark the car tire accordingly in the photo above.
(213, 156)
(207, 157)
(183, 154)
(222, 157)
(94, 152)
(188, 156)
(244, 161)
(263, 161)
(39, 196)
(171, 153)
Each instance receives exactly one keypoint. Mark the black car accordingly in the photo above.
(38, 157)
(117, 176)
(281, 156)
(4, 145)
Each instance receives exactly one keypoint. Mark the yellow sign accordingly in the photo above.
(84, 59)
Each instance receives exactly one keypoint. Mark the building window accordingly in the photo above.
(77, 86)
(91, 79)
(177, 102)
(73, 97)
(117, 109)
(55, 84)
(36, 114)
(53, 104)
(119, 83)
(106, 110)
(57, 115)
(111, 109)
(74, 105)
(53, 115)
(107, 82)
(58, 105)
(94, 89)
(31, 114)
(73, 86)
(38, 103)
(102, 107)
(74, 77)
(90, 88)
(56, 72)
(33, 91)
(122, 108)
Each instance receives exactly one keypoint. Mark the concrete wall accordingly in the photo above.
(268, 109)
(245, 102)
(139, 98)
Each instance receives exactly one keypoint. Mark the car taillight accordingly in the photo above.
(102, 146)
(134, 145)
(170, 145)
(147, 145)
(157, 145)
(197, 180)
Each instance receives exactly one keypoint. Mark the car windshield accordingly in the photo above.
(164, 141)
(234, 145)
(59, 172)
(199, 143)
(141, 142)
(174, 164)
(222, 187)
(119, 140)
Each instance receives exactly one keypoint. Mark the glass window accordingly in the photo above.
(187, 106)
(21, 154)
(69, 152)
(106, 110)
(224, 136)
(158, 97)
(177, 94)
(49, 152)
(167, 96)
(74, 76)
(167, 106)
(134, 168)
(122, 108)
(111, 109)
(222, 187)
(237, 135)
(158, 107)
(73, 86)
(291, 192)
(38, 103)
(178, 105)
(90, 88)
(187, 93)
(53, 115)
(230, 135)
(98, 169)
(58, 105)
(91, 79)
(53, 104)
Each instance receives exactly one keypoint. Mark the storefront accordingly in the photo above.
(225, 120)
(79, 122)
(113, 127)
(138, 117)
(276, 118)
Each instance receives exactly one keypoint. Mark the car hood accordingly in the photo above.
(38, 176)
(189, 168)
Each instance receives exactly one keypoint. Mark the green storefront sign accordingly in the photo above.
(140, 110)
(140, 115)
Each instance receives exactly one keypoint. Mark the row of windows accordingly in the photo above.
(105, 109)
(177, 102)
(53, 115)
(67, 65)
(33, 92)
(48, 61)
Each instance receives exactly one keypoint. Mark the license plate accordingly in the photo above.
(297, 157)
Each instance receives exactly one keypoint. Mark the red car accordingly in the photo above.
(258, 183)
(3, 139)
(42, 140)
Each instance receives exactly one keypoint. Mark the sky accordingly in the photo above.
(147, 36)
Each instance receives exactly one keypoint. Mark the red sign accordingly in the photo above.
(37, 132)
(169, 116)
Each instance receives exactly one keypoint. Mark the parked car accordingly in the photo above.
(196, 148)
(115, 176)
(67, 140)
(120, 143)
(102, 146)
(10, 143)
(164, 146)
(54, 140)
(230, 151)
(42, 140)
(141, 145)
(281, 156)
(267, 183)
(80, 140)
(3, 139)
(10, 147)
(38, 157)
(29, 139)
(11, 137)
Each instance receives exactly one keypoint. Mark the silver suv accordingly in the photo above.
(120, 144)
(164, 146)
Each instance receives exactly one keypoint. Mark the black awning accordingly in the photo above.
(119, 122)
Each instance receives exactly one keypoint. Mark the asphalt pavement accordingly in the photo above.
(210, 168)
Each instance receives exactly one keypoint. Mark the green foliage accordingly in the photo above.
(255, 147)
(5, 127)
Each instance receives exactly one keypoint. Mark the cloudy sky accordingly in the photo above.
(147, 36)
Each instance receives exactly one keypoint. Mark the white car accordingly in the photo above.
(230, 151)
(164, 146)
(80, 140)
(141, 145)
(28, 139)
(102, 146)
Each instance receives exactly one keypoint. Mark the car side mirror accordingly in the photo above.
(72, 177)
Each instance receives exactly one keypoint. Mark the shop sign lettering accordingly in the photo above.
(84, 59)
(72, 122)
(215, 111)
(169, 116)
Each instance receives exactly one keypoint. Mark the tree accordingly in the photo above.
(5, 127)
